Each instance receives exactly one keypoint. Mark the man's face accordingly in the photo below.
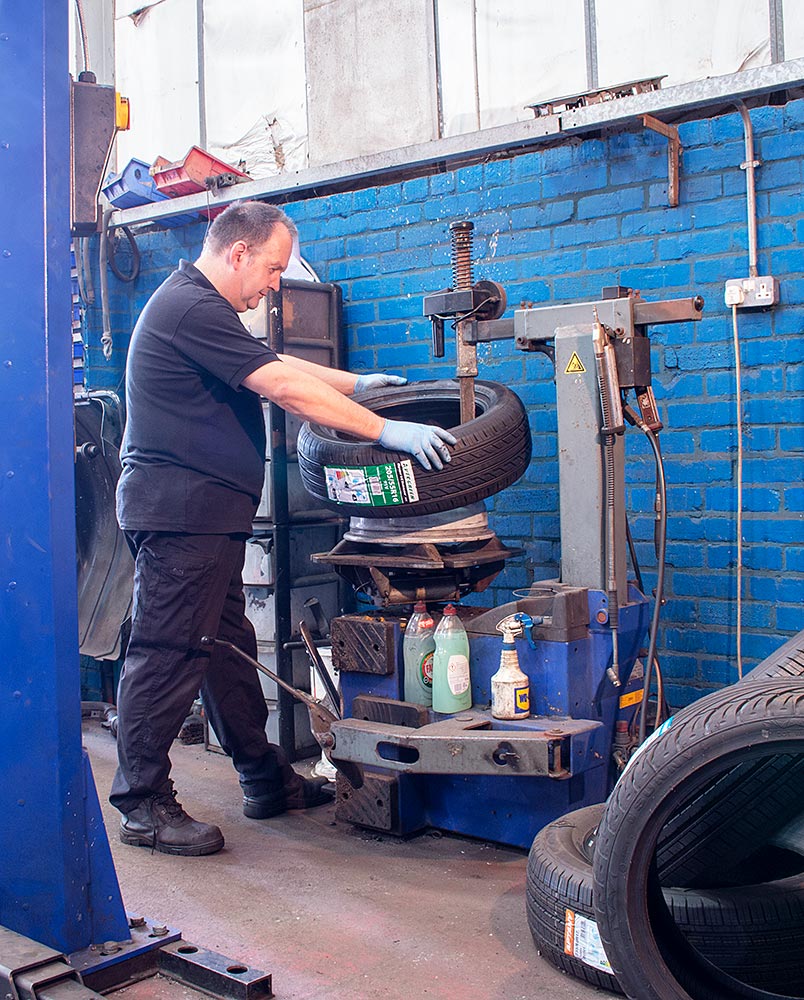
(261, 267)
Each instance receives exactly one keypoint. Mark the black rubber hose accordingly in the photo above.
(634, 560)
(112, 259)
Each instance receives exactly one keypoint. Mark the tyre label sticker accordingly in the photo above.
(387, 485)
(582, 941)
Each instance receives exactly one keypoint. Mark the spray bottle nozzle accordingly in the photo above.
(511, 627)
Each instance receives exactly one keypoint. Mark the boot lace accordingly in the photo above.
(169, 805)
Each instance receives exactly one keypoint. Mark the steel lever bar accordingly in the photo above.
(320, 667)
(321, 718)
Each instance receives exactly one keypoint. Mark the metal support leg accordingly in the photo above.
(582, 494)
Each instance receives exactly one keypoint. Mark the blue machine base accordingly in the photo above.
(567, 680)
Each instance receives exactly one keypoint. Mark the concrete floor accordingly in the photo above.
(332, 911)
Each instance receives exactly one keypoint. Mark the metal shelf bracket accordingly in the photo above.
(670, 132)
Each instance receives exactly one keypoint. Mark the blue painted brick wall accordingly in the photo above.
(555, 225)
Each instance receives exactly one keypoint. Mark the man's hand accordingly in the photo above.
(377, 381)
(426, 443)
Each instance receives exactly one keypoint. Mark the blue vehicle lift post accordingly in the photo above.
(57, 879)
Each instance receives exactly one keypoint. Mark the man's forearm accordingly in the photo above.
(302, 393)
(344, 382)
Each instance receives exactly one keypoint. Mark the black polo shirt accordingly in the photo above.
(193, 451)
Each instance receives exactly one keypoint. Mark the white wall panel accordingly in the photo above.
(256, 107)
(370, 76)
(684, 40)
(457, 66)
(527, 50)
(793, 29)
(157, 69)
(360, 75)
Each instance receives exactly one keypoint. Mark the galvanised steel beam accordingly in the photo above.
(460, 149)
(57, 881)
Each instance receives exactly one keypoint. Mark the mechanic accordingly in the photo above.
(193, 458)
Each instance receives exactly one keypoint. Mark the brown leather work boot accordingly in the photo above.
(159, 822)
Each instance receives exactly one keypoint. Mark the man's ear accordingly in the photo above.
(236, 252)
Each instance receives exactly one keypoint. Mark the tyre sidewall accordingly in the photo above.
(625, 888)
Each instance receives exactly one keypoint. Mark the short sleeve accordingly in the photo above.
(212, 337)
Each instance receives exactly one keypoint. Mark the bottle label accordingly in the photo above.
(522, 699)
(427, 670)
(458, 674)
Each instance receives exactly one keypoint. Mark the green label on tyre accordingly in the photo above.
(387, 485)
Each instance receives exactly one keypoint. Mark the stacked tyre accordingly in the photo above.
(689, 883)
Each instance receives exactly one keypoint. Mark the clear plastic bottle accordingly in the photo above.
(452, 683)
(417, 655)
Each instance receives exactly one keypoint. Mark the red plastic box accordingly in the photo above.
(189, 175)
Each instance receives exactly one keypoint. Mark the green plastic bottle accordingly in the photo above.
(417, 653)
(452, 682)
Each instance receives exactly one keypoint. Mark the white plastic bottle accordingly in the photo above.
(510, 688)
(452, 682)
(417, 654)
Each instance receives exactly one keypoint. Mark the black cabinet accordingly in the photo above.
(304, 319)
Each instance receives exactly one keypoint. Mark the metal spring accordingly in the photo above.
(462, 238)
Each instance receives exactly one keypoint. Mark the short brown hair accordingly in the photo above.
(253, 222)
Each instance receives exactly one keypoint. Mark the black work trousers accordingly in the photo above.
(187, 586)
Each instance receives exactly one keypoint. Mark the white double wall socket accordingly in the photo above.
(752, 293)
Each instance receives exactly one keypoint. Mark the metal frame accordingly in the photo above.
(670, 132)
(590, 41)
(469, 743)
(776, 17)
(284, 520)
(565, 332)
(32, 971)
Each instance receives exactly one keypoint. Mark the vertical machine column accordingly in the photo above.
(582, 481)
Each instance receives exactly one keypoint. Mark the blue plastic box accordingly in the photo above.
(135, 186)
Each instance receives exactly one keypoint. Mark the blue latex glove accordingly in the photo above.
(426, 443)
(377, 381)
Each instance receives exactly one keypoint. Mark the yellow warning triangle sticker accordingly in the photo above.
(575, 366)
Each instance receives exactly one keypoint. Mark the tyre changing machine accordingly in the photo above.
(583, 636)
